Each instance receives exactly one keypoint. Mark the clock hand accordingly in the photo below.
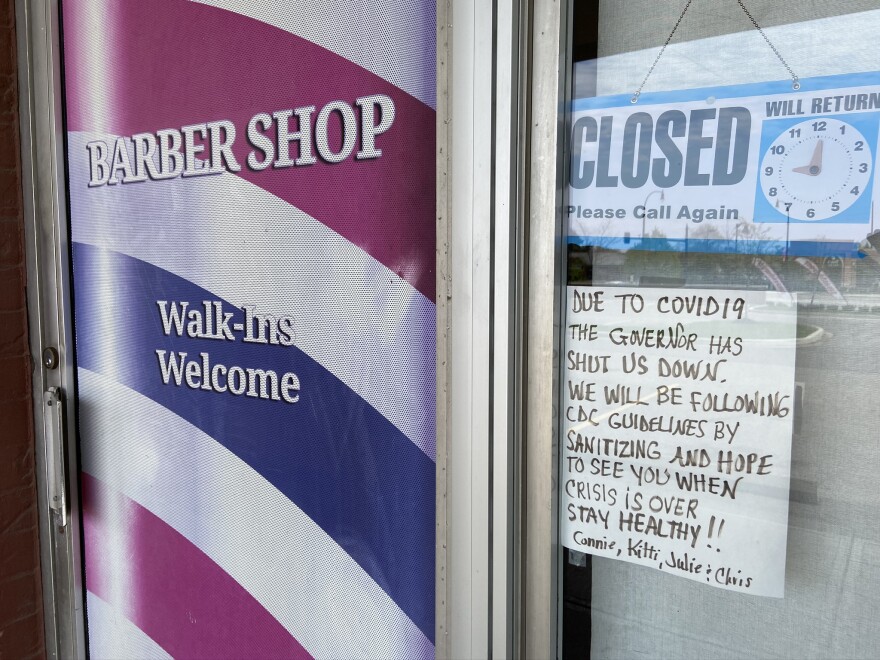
(814, 167)
(816, 161)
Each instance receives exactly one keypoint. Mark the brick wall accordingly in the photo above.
(21, 622)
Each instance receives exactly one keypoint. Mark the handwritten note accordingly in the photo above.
(678, 408)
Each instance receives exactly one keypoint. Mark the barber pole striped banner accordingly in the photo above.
(255, 346)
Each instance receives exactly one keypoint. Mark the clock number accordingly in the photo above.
(787, 206)
(835, 206)
(819, 125)
(780, 149)
(863, 168)
(811, 213)
(859, 145)
(772, 192)
(795, 132)
(842, 129)
(855, 190)
(768, 171)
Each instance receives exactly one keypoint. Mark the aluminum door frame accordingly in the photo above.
(50, 320)
(549, 87)
(503, 76)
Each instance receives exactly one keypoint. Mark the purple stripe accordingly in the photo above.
(179, 597)
(175, 63)
(335, 456)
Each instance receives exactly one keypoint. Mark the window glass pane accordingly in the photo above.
(720, 358)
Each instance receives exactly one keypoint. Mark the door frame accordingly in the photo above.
(50, 323)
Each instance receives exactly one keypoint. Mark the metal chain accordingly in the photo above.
(795, 81)
(638, 92)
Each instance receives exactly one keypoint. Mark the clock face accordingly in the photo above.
(816, 169)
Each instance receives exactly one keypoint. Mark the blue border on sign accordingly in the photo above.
(729, 92)
(843, 249)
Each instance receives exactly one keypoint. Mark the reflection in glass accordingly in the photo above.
(823, 250)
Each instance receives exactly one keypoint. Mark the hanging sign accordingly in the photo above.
(676, 451)
(750, 168)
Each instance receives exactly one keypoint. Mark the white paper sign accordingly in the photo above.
(678, 408)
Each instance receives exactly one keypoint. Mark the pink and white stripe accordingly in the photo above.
(241, 523)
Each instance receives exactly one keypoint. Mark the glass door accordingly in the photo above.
(718, 374)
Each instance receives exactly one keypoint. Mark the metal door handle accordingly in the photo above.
(56, 459)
